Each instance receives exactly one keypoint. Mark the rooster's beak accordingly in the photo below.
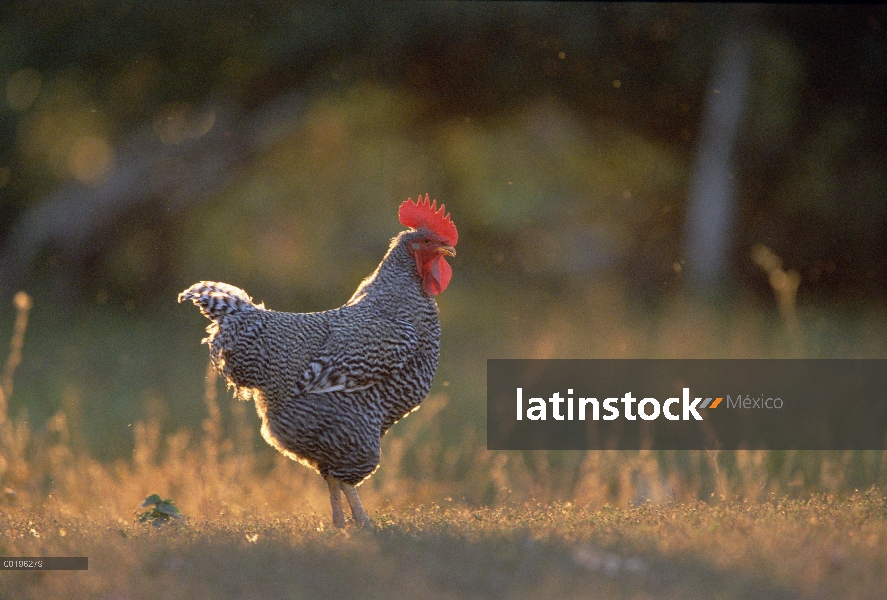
(449, 250)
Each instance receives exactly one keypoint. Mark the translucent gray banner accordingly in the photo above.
(832, 404)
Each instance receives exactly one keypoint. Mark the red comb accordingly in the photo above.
(425, 214)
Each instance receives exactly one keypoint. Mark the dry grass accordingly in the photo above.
(825, 547)
(454, 520)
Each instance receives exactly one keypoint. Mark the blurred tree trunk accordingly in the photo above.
(709, 223)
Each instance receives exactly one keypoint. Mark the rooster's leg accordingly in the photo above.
(360, 517)
(336, 501)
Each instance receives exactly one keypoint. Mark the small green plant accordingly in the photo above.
(161, 511)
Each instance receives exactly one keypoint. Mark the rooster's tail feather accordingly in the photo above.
(217, 300)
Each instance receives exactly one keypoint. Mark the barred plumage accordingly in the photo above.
(328, 385)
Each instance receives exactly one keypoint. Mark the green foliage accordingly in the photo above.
(160, 512)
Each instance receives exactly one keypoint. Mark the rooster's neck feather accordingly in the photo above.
(396, 279)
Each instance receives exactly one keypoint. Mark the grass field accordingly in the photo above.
(453, 520)
(825, 547)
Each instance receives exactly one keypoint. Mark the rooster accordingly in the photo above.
(328, 385)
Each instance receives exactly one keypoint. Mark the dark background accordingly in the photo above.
(146, 146)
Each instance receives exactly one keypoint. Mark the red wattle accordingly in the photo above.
(436, 275)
